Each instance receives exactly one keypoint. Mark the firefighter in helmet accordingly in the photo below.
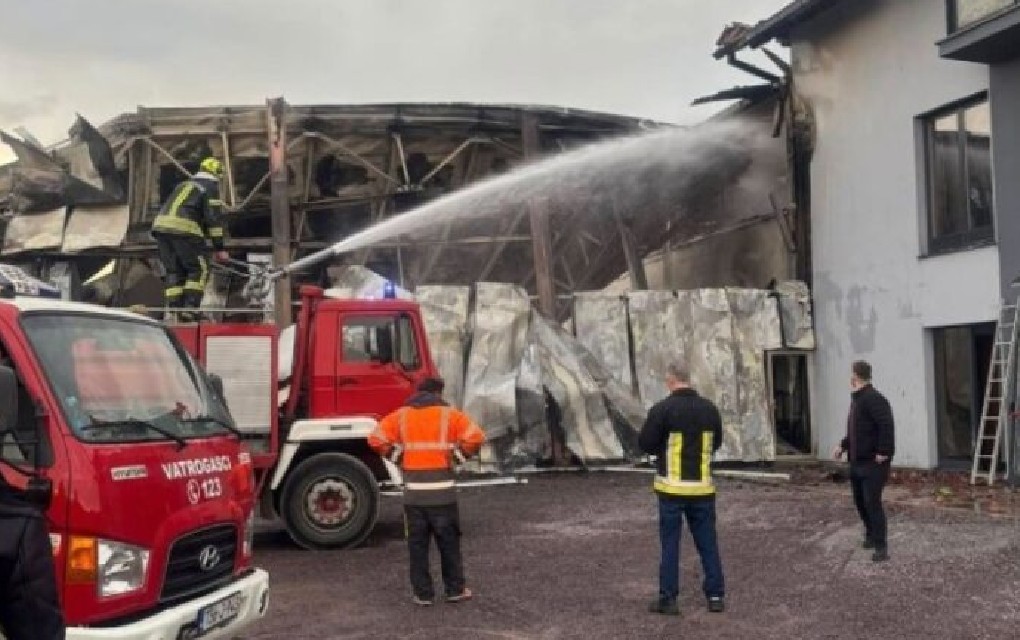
(189, 220)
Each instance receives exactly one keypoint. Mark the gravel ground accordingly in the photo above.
(572, 556)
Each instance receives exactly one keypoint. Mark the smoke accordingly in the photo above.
(648, 178)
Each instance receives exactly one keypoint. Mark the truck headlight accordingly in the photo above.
(249, 535)
(122, 568)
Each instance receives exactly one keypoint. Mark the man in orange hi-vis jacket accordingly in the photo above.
(429, 436)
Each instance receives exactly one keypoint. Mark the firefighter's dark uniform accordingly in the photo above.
(189, 217)
(29, 606)
(683, 431)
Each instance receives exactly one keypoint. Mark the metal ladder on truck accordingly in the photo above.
(1000, 392)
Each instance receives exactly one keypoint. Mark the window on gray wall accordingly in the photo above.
(958, 162)
(963, 13)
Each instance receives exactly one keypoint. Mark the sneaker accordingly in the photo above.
(716, 604)
(665, 606)
(880, 555)
(460, 597)
(421, 602)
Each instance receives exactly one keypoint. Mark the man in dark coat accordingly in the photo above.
(869, 445)
(29, 606)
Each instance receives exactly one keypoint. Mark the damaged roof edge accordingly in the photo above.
(776, 26)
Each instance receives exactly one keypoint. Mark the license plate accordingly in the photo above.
(220, 613)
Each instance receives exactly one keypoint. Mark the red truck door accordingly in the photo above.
(380, 362)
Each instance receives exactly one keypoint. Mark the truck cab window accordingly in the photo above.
(367, 339)
(18, 445)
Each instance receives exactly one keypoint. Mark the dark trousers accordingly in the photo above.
(186, 269)
(443, 523)
(867, 479)
(700, 515)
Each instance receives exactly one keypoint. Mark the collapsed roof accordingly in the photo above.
(349, 166)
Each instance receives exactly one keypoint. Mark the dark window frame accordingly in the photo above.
(953, 16)
(973, 237)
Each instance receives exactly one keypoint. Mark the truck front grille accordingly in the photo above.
(200, 561)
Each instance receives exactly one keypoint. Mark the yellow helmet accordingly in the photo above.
(213, 166)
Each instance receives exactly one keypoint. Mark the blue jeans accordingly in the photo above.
(701, 519)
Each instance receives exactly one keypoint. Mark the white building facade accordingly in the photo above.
(905, 239)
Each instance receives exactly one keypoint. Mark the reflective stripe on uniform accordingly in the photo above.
(216, 232)
(173, 292)
(673, 460)
(428, 446)
(683, 487)
(172, 222)
(203, 278)
(181, 198)
(444, 433)
(706, 455)
(673, 483)
(175, 224)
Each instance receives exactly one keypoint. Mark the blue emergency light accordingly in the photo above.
(14, 281)
(389, 290)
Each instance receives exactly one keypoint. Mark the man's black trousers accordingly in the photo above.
(443, 523)
(867, 479)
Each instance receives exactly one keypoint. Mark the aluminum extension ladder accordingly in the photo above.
(1000, 392)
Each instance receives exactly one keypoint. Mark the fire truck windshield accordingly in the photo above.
(120, 380)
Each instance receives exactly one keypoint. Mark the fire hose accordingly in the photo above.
(259, 280)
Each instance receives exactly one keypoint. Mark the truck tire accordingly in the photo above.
(330, 501)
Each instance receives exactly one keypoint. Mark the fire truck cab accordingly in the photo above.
(113, 430)
(307, 398)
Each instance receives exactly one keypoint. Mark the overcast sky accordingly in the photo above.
(645, 58)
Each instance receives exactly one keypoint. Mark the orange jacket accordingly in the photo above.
(428, 434)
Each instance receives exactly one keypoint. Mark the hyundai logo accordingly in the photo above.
(208, 558)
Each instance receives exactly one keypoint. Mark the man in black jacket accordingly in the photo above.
(683, 431)
(869, 445)
(29, 606)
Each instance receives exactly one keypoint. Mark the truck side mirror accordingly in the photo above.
(39, 492)
(8, 399)
(216, 382)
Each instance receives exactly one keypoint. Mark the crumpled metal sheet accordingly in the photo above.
(95, 226)
(721, 335)
(533, 439)
(444, 311)
(499, 340)
(32, 231)
(600, 324)
(795, 310)
(625, 408)
(709, 353)
(656, 328)
(587, 427)
(80, 172)
(755, 330)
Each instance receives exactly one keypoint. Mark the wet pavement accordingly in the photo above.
(575, 556)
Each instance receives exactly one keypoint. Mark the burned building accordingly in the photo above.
(300, 178)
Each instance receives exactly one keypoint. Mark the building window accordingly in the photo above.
(963, 13)
(958, 149)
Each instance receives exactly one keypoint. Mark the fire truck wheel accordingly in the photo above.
(330, 501)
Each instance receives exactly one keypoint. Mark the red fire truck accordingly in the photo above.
(109, 424)
(306, 399)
